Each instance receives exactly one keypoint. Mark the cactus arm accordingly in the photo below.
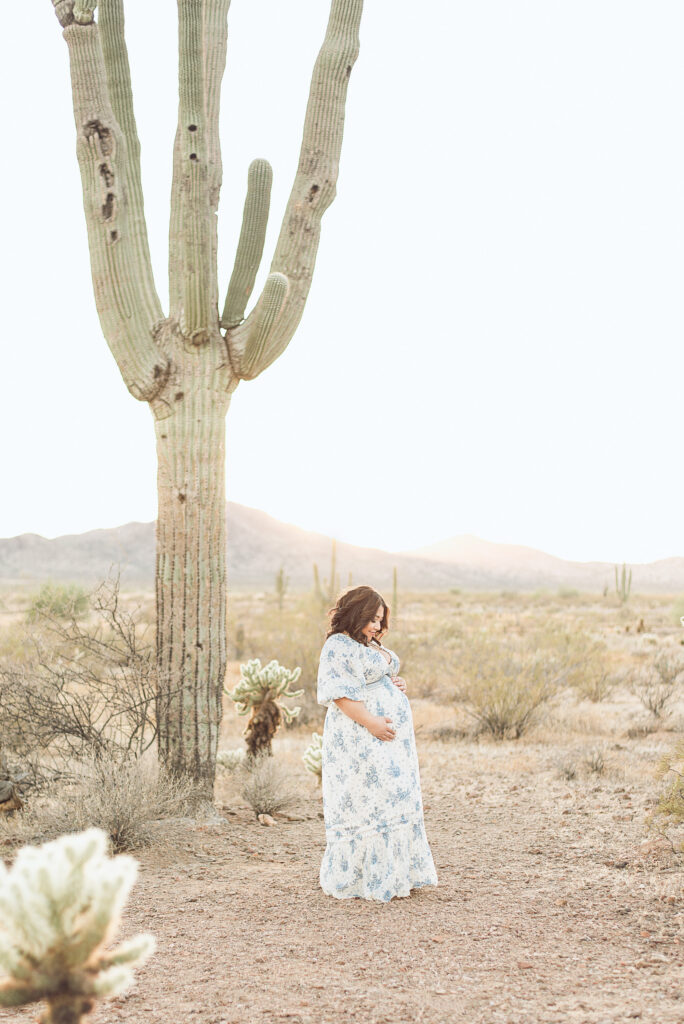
(202, 38)
(265, 316)
(115, 54)
(193, 169)
(175, 233)
(115, 264)
(251, 243)
(215, 44)
(313, 190)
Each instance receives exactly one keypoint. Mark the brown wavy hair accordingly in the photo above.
(354, 610)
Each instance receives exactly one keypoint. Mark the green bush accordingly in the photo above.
(504, 681)
(58, 601)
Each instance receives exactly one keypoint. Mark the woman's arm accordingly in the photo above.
(378, 725)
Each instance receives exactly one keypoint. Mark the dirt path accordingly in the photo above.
(546, 912)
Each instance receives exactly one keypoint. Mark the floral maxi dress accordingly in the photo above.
(376, 846)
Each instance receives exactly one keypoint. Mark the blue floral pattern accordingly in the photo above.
(376, 846)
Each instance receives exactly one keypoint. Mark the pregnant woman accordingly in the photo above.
(376, 846)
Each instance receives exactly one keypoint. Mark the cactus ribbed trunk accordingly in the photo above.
(187, 364)
(191, 579)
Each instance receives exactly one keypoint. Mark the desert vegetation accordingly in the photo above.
(552, 720)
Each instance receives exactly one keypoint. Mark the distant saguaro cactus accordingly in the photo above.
(261, 692)
(186, 363)
(326, 594)
(59, 905)
(281, 585)
(625, 585)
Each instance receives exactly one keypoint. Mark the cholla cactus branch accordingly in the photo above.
(313, 756)
(59, 906)
(251, 243)
(314, 186)
(259, 684)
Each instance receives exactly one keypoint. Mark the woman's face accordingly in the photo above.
(375, 625)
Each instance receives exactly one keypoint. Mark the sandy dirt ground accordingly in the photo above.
(552, 906)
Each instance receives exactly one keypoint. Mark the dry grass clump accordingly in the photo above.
(230, 760)
(668, 817)
(267, 785)
(657, 683)
(125, 798)
(594, 761)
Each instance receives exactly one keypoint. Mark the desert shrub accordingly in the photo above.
(58, 601)
(641, 730)
(267, 785)
(81, 689)
(566, 768)
(505, 681)
(594, 761)
(668, 815)
(656, 684)
(230, 760)
(596, 683)
(123, 797)
(430, 657)
(677, 610)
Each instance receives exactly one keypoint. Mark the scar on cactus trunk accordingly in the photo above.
(260, 693)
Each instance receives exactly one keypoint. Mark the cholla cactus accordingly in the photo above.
(313, 756)
(59, 905)
(260, 692)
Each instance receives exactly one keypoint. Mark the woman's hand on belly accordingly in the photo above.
(399, 682)
(381, 727)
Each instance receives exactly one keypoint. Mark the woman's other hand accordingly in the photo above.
(381, 727)
(398, 681)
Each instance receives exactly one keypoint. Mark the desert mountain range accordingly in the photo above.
(258, 545)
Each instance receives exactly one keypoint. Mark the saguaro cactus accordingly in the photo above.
(187, 363)
(623, 588)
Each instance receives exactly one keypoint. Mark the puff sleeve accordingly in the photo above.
(339, 671)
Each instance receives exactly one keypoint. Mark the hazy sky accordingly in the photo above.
(493, 339)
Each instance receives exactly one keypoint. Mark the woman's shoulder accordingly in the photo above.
(340, 639)
(342, 645)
